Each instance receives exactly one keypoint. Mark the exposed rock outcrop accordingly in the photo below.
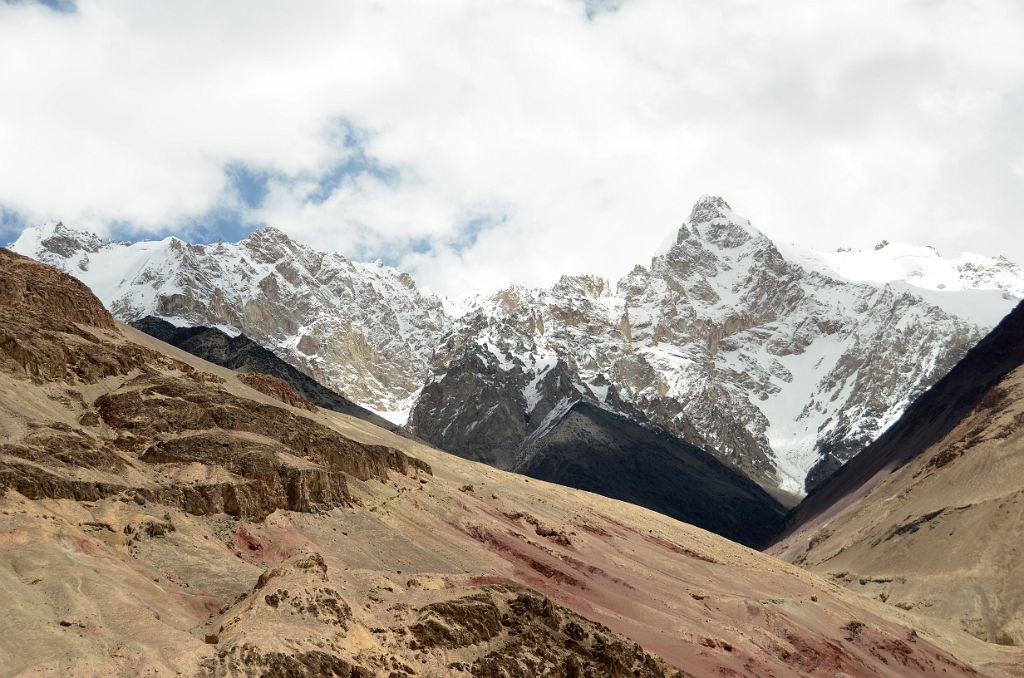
(724, 342)
(49, 295)
(496, 631)
(165, 433)
(242, 354)
(275, 388)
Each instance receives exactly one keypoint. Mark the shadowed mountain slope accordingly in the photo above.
(599, 451)
(242, 354)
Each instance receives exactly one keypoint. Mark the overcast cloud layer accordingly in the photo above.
(473, 143)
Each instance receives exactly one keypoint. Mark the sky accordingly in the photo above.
(475, 143)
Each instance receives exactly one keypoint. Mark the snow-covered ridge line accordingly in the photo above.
(991, 283)
(922, 266)
(771, 357)
(773, 362)
(333, 318)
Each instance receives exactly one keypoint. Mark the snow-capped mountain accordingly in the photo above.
(924, 267)
(985, 283)
(782, 361)
(362, 328)
(782, 368)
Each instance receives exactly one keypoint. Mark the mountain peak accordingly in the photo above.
(589, 285)
(712, 221)
(709, 207)
(269, 234)
(57, 238)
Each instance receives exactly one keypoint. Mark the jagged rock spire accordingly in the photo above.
(709, 207)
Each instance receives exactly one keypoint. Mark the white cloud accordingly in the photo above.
(577, 143)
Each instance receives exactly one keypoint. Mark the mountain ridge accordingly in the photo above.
(332, 318)
(720, 315)
(242, 354)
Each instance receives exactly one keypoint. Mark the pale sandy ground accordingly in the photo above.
(83, 597)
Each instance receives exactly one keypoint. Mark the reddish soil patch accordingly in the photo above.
(660, 541)
(486, 580)
(716, 644)
(484, 536)
(675, 548)
(514, 517)
(204, 606)
(91, 547)
(246, 541)
(554, 573)
(508, 517)
(595, 530)
(623, 530)
(503, 545)
(593, 571)
(265, 547)
(815, 655)
(909, 654)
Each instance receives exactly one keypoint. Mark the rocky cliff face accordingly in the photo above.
(780, 370)
(363, 329)
(242, 354)
(780, 361)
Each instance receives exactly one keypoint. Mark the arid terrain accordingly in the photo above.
(930, 518)
(159, 516)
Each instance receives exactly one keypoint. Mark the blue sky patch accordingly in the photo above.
(470, 231)
(219, 224)
(596, 7)
(250, 184)
(357, 163)
(63, 6)
(11, 225)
